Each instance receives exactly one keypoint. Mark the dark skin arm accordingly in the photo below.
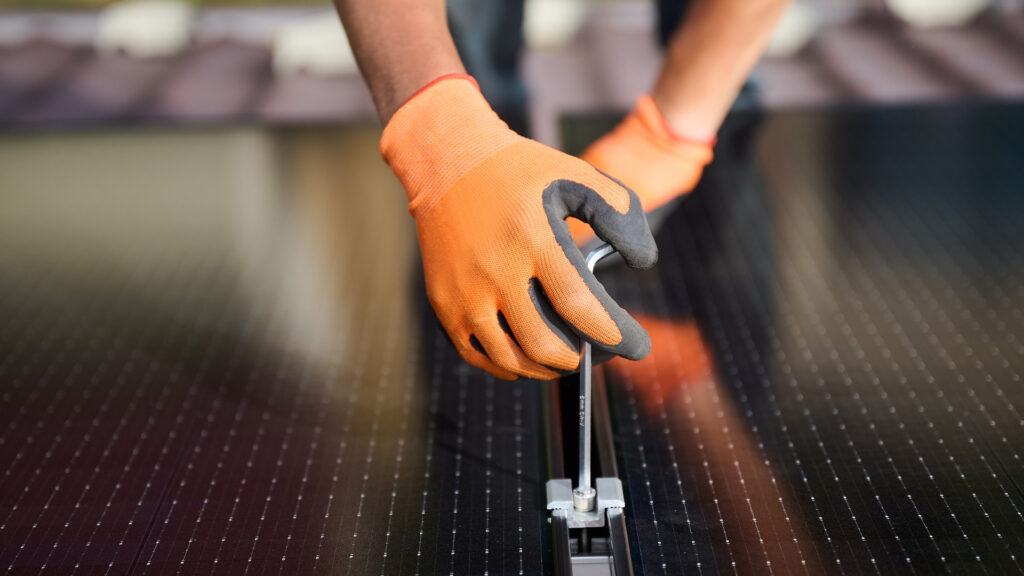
(402, 45)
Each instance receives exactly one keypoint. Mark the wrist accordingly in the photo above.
(683, 123)
(399, 49)
(662, 127)
(649, 157)
(440, 133)
(401, 88)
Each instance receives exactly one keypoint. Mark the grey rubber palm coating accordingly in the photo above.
(628, 233)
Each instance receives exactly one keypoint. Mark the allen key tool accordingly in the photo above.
(587, 521)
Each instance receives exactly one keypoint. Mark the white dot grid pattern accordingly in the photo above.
(889, 382)
(882, 420)
(33, 321)
(435, 399)
(457, 484)
(383, 389)
(220, 465)
(997, 318)
(865, 411)
(521, 483)
(954, 335)
(724, 434)
(338, 462)
(917, 319)
(225, 448)
(984, 371)
(674, 281)
(177, 489)
(40, 425)
(74, 333)
(847, 379)
(204, 451)
(97, 427)
(648, 501)
(925, 293)
(399, 455)
(174, 432)
(488, 474)
(854, 345)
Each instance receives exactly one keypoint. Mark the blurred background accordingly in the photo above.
(76, 63)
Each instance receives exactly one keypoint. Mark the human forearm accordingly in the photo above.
(708, 60)
(400, 46)
(490, 206)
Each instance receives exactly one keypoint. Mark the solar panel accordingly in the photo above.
(835, 377)
(834, 384)
(185, 448)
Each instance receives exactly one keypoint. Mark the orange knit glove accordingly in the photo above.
(502, 272)
(644, 154)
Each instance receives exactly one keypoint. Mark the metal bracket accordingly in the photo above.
(565, 516)
(609, 495)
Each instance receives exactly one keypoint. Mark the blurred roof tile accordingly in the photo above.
(26, 69)
(309, 98)
(105, 86)
(214, 81)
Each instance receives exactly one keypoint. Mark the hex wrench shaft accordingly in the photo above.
(584, 496)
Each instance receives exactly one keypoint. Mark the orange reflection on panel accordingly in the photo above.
(679, 359)
(729, 475)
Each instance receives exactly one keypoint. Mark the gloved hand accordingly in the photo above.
(502, 272)
(644, 154)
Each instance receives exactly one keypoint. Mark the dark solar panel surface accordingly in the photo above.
(161, 414)
(188, 444)
(834, 385)
(835, 377)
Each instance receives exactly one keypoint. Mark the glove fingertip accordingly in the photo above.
(636, 343)
(640, 256)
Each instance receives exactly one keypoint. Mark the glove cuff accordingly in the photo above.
(648, 119)
(439, 135)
